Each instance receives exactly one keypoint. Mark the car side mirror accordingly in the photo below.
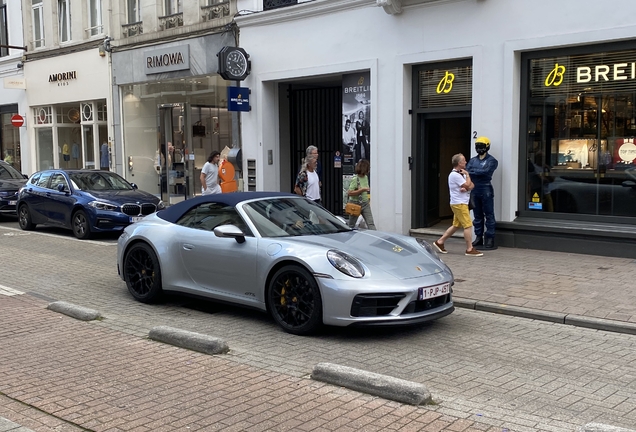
(134, 186)
(60, 188)
(230, 231)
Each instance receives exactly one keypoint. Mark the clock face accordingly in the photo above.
(236, 63)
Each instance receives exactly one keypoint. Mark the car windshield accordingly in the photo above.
(284, 217)
(98, 181)
(7, 172)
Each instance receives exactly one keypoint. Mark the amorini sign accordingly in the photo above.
(15, 83)
(167, 59)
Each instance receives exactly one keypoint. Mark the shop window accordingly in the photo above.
(38, 23)
(102, 114)
(43, 115)
(44, 146)
(67, 114)
(87, 112)
(4, 34)
(94, 8)
(64, 19)
(581, 135)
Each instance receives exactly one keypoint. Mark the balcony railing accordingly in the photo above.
(275, 4)
(171, 21)
(132, 29)
(220, 9)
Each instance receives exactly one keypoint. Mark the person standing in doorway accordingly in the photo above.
(481, 169)
(459, 185)
(210, 175)
(307, 182)
(359, 188)
(313, 150)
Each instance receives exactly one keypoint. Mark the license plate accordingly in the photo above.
(134, 219)
(434, 291)
(12, 202)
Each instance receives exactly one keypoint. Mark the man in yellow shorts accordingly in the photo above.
(459, 185)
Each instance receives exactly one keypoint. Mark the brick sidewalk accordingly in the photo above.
(588, 285)
(60, 374)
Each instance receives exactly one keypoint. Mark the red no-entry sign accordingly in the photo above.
(17, 120)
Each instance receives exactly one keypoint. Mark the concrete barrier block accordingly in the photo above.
(372, 383)
(189, 340)
(79, 312)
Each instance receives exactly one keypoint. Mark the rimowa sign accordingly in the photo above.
(167, 59)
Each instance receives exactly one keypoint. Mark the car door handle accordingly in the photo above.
(188, 246)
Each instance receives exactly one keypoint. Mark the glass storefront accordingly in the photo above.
(185, 119)
(68, 136)
(580, 134)
(10, 137)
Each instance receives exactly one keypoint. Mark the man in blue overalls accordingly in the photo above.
(481, 168)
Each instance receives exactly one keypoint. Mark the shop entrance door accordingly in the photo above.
(187, 135)
(174, 175)
(439, 136)
(315, 118)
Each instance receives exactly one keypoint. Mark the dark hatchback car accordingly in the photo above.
(11, 180)
(86, 201)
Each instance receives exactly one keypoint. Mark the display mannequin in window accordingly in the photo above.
(481, 169)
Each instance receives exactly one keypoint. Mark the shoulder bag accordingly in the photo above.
(353, 209)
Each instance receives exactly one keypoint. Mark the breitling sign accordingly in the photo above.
(167, 59)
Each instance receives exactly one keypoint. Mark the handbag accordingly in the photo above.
(198, 130)
(352, 208)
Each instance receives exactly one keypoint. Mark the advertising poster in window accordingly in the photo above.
(356, 130)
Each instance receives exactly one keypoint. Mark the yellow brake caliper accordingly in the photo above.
(282, 293)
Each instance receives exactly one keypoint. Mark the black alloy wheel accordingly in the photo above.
(142, 273)
(81, 225)
(24, 218)
(293, 299)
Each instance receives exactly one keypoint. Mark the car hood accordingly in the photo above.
(12, 184)
(124, 196)
(396, 255)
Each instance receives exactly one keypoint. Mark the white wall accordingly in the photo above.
(287, 43)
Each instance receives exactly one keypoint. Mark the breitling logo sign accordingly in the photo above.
(238, 99)
(446, 83)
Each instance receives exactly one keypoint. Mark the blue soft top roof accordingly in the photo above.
(174, 212)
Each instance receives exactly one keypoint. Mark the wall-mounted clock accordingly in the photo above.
(233, 63)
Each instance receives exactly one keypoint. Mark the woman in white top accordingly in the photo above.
(307, 181)
(210, 175)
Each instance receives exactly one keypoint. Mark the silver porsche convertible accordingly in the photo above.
(286, 255)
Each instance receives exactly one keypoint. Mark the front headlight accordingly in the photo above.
(345, 263)
(103, 206)
(161, 205)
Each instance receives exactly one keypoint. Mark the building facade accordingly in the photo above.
(120, 84)
(67, 84)
(170, 104)
(409, 83)
(13, 139)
